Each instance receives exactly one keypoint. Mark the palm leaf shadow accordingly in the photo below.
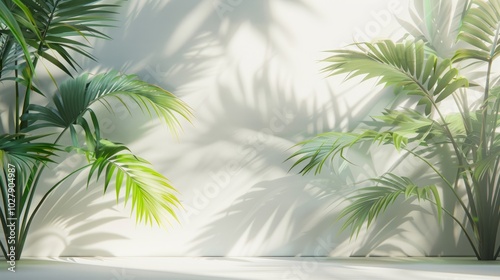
(431, 22)
(79, 222)
(186, 62)
(291, 205)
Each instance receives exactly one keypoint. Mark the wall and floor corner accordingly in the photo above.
(249, 69)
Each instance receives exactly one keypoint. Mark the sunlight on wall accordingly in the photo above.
(250, 71)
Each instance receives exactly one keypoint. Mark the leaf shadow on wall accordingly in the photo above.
(268, 214)
(291, 207)
(243, 219)
(240, 114)
(180, 40)
(75, 231)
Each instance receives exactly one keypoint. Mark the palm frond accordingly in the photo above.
(14, 30)
(462, 140)
(151, 194)
(61, 27)
(395, 128)
(480, 28)
(61, 22)
(409, 123)
(76, 96)
(24, 152)
(317, 151)
(404, 65)
(371, 201)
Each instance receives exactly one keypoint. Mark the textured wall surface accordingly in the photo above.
(250, 71)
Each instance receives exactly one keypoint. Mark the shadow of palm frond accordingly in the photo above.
(436, 22)
(271, 214)
(380, 236)
(180, 42)
(260, 116)
(77, 216)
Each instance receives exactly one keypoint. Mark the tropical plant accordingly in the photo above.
(36, 33)
(441, 114)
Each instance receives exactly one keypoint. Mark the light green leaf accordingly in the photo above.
(394, 64)
(152, 196)
(480, 27)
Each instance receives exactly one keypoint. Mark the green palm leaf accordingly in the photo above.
(59, 24)
(462, 135)
(23, 150)
(23, 154)
(370, 202)
(10, 29)
(45, 28)
(76, 96)
(480, 28)
(396, 128)
(404, 65)
(151, 194)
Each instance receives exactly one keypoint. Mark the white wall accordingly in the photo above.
(250, 71)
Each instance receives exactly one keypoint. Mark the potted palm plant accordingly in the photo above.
(442, 114)
(57, 32)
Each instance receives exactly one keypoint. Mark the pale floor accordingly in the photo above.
(275, 268)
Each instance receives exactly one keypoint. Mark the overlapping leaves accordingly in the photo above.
(60, 31)
(394, 127)
(467, 134)
(23, 150)
(150, 192)
(12, 32)
(59, 25)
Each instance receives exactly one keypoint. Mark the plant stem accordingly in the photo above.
(3, 215)
(450, 186)
(461, 164)
(17, 119)
(4, 252)
(464, 230)
(27, 206)
(26, 225)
